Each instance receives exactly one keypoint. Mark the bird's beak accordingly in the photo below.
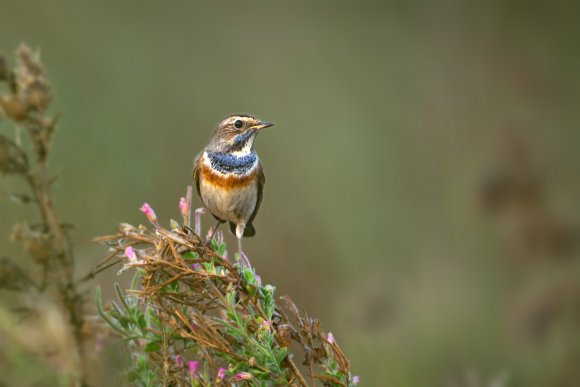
(264, 124)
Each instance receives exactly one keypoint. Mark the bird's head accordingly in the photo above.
(236, 134)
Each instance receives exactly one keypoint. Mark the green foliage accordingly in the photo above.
(136, 324)
(141, 373)
(259, 345)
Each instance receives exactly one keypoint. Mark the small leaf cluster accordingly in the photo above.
(258, 345)
(139, 327)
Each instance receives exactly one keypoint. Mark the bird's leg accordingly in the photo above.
(208, 241)
(239, 234)
(242, 263)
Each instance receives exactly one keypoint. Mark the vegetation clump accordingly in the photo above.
(193, 317)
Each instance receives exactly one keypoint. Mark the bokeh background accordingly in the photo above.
(422, 177)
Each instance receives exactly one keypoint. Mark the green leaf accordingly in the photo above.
(215, 245)
(142, 322)
(103, 314)
(135, 280)
(152, 347)
(249, 276)
(171, 287)
(281, 355)
(231, 298)
(190, 255)
(121, 295)
(124, 321)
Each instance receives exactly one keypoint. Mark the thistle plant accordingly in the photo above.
(193, 317)
(48, 301)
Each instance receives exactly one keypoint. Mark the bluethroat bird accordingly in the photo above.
(228, 174)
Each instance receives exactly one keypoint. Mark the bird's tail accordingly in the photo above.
(249, 230)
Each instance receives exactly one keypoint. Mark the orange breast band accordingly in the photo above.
(227, 181)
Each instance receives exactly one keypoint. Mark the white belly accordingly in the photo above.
(234, 205)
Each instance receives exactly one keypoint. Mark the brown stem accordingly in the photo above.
(296, 372)
(63, 265)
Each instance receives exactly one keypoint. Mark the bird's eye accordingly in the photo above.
(238, 124)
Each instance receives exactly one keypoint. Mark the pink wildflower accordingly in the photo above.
(130, 253)
(330, 338)
(209, 233)
(148, 211)
(193, 366)
(220, 375)
(355, 380)
(243, 376)
(183, 207)
(197, 226)
(179, 361)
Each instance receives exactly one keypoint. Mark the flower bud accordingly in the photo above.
(283, 335)
(183, 207)
(38, 95)
(193, 366)
(243, 376)
(330, 338)
(38, 243)
(220, 375)
(12, 159)
(179, 361)
(14, 107)
(197, 225)
(130, 253)
(148, 211)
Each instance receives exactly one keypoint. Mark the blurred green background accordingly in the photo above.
(402, 128)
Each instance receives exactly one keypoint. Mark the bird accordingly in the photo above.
(229, 176)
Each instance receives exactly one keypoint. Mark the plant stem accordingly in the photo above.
(39, 182)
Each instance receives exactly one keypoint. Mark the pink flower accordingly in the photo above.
(267, 324)
(330, 338)
(197, 226)
(179, 361)
(243, 376)
(183, 207)
(220, 375)
(193, 366)
(148, 211)
(209, 233)
(130, 253)
(355, 380)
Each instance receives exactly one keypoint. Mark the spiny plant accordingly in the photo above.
(194, 317)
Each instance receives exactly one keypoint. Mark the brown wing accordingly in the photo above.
(250, 230)
(196, 172)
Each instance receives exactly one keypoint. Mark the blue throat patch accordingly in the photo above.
(228, 163)
(241, 139)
